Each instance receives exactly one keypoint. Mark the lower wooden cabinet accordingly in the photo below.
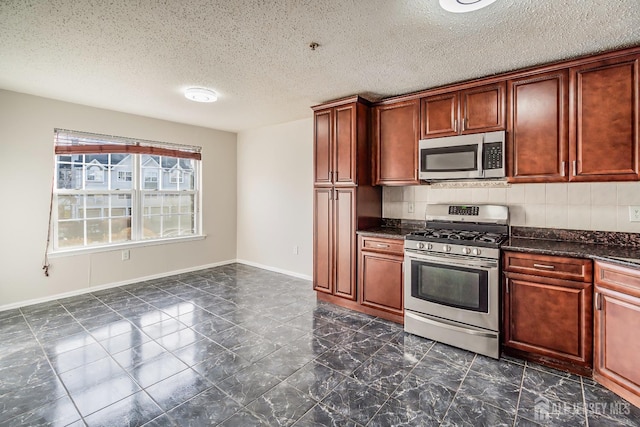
(334, 271)
(380, 277)
(547, 319)
(617, 329)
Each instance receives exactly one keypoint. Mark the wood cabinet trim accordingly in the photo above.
(382, 245)
(518, 74)
(355, 99)
(567, 268)
(617, 278)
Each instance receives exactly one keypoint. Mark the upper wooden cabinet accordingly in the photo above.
(340, 134)
(395, 129)
(472, 110)
(604, 120)
(537, 127)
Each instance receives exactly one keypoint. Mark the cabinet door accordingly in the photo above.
(617, 355)
(396, 138)
(482, 108)
(439, 116)
(323, 272)
(549, 318)
(617, 330)
(605, 121)
(345, 244)
(323, 146)
(345, 145)
(380, 281)
(538, 132)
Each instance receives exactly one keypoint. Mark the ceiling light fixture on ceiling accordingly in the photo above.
(461, 6)
(200, 94)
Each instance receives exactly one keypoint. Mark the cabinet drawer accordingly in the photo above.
(377, 244)
(549, 266)
(618, 277)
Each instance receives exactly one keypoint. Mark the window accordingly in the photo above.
(124, 176)
(112, 190)
(175, 177)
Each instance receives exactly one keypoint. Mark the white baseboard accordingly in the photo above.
(112, 285)
(274, 269)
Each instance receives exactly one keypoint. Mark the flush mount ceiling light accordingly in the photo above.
(461, 6)
(200, 94)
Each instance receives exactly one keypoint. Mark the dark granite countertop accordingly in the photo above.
(620, 248)
(386, 232)
(392, 228)
(623, 248)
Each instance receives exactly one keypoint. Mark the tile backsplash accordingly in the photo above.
(579, 206)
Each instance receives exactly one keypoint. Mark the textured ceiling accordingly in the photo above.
(138, 56)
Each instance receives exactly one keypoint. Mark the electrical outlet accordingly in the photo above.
(296, 250)
(634, 213)
(126, 255)
(412, 207)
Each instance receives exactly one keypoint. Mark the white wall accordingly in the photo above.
(275, 197)
(579, 206)
(26, 171)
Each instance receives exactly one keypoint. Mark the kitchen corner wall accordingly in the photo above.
(579, 206)
(275, 197)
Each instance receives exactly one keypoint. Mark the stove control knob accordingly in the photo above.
(421, 245)
(446, 248)
(429, 246)
(466, 251)
(476, 251)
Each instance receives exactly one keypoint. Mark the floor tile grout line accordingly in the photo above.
(584, 403)
(444, 417)
(73, 402)
(524, 370)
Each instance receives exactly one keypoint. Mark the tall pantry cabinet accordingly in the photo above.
(344, 197)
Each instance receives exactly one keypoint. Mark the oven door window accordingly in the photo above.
(452, 286)
(449, 159)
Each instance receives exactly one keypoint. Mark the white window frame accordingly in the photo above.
(137, 191)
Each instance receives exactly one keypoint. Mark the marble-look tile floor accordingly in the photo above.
(240, 346)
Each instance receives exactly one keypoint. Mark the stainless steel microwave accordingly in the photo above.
(475, 156)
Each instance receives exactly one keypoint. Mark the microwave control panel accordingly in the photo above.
(492, 156)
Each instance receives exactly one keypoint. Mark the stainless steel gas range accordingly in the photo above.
(452, 276)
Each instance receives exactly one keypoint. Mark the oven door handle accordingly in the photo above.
(449, 260)
(449, 326)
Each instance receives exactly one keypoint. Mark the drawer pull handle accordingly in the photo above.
(381, 245)
(548, 267)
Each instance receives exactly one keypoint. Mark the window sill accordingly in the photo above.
(121, 246)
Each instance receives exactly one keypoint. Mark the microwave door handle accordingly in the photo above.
(480, 159)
